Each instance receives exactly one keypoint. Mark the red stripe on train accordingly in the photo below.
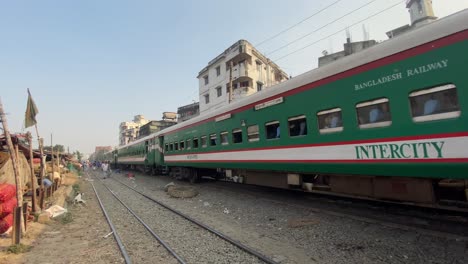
(418, 137)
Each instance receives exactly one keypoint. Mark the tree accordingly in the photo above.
(57, 147)
(78, 155)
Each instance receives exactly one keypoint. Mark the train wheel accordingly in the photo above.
(194, 178)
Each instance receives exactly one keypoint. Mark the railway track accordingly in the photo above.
(180, 245)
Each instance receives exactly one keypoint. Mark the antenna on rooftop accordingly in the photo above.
(348, 36)
(365, 33)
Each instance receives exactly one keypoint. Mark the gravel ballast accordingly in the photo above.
(295, 234)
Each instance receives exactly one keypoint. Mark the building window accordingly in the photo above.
(218, 70)
(259, 86)
(330, 120)
(375, 113)
(259, 65)
(206, 79)
(297, 126)
(182, 145)
(435, 103)
(213, 140)
(219, 92)
(272, 130)
(237, 136)
(195, 143)
(252, 133)
(244, 84)
(207, 98)
(203, 141)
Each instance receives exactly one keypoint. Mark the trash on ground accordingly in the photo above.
(56, 210)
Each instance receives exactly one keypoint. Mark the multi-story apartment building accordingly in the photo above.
(242, 65)
(187, 112)
(129, 131)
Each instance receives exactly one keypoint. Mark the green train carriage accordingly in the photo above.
(389, 122)
(144, 154)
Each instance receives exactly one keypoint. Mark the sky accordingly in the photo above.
(93, 64)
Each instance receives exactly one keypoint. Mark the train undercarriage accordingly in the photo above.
(427, 192)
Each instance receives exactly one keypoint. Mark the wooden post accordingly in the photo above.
(25, 215)
(41, 175)
(53, 159)
(33, 176)
(19, 190)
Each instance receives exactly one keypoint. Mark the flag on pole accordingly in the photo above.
(31, 112)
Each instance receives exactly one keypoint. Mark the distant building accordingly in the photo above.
(187, 112)
(250, 72)
(349, 48)
(421, 13)
(129, 131)
(155, 126)
(102, 149)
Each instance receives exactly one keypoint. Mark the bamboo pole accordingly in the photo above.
(41, 175)
(33, 177)
(53, 159)
(19, 191)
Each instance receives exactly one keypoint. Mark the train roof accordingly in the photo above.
(438, 29)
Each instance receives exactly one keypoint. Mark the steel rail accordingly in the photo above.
(206, 227)
(165, 245)
(114, 231)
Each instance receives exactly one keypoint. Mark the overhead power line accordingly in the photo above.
(300, 22)
(360, 21)
(308, 34)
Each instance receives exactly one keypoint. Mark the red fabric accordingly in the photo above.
(8, 207)
(6, 223)
(36, 160)
(7, 191)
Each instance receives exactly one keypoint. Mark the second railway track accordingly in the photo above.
(190, 241)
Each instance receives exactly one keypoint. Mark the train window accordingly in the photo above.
(213, 140)
(203, 141)
(195, 143)
(272, 130)
(166, 147)
(182, 145)
(252, 133)
(330, 121)
(237, 136)
(297, 126)
(224, 138)
(189, 146)
(375, 113)
(171, 147)
(176, 146)
(435, 103)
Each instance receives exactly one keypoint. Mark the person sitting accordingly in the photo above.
(334, 121)
(430, 106)
(302, 128)
(375, 115)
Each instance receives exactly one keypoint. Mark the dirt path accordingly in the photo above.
(75, 239)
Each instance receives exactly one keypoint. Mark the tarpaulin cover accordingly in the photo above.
(5, 223)
(8, 207)
(7, 191)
